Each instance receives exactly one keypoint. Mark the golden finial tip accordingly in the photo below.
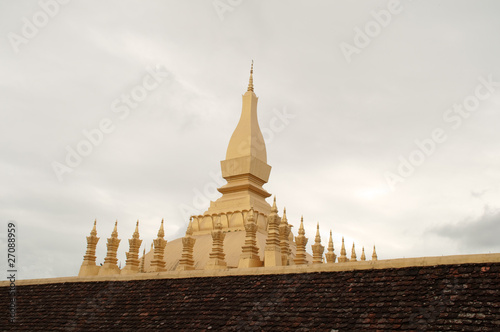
(250, 81)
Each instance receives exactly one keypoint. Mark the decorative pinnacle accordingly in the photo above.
(342, 250)
(93, 232)
(284, 219)
(374, 255)
(301, 228)
(363, 256)
(353, 253)
(274, 207)
(115, 230)
(136, 232)
(161, 232)
(318, 237)
(330, 242)
(250, 81)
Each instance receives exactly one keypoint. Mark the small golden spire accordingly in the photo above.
(250, 81)
(115, 230)
(93, 232)
(353, 253)
(274, 208)
(363, 256)
(284, 219)
(161, 232)
(330, 255)
(301, 228)
(330, 242)
(318, 237)
(374, 256)
(136, 232)
(343, 254)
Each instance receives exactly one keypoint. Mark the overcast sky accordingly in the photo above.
(381, 120)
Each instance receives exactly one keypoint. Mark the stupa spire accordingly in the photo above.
(158, 263)
(330, 255)
(217, 256)
(110, 267)
(301, 240)
(284, 230)
(245, 168)
(343, 254)
(250, 81)
(89, 266)
(317, 248)
(132, 262)
(353, 253)
(374, 255)
(272, 251)
(250, 252)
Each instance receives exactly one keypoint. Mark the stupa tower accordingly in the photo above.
(246, 170)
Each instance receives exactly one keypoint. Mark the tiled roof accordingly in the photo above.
(448, 297)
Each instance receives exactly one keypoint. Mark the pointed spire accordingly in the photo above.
(161, 232)
(284, 232)
(250, 251)
(274, 208)
(250, 81)
(217, 256)
(93, 232)
(363, 256)
(301, 241)
(301, 228)
(158, 263)
(317, 248)
(115, 230)
(343, 254)
(89, 267)
(136, 232)
(330, 255)
(374, 255)
(318, 237)
(110, 261)
(272, 251)
(132, 262)
(353, 253)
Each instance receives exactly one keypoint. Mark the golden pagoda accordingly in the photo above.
(238, 230)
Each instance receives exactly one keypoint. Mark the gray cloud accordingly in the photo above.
(474, 234)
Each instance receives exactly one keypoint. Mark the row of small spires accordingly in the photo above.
(277, 251)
